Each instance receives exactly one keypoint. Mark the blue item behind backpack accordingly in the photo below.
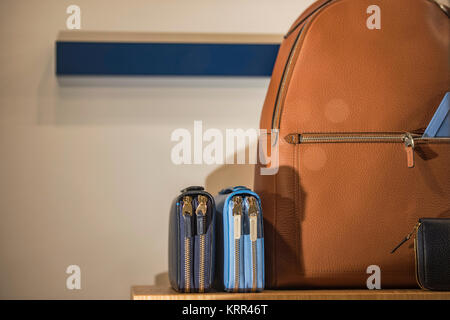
(439, 125)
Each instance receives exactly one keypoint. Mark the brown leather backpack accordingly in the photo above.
(351, 101)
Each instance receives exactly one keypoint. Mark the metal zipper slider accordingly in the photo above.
(253, 217)
(407, 237)
(187, 206)
(237, 213)
(293, 138)
(187, 214)
(409, 147)
(201, 213)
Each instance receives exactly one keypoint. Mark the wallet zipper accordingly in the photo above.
(409, 235)
(410, 140)
(200, 213)
(237, 217)
(413, 233)
(187, 214)
(416, 263)
(253, 217)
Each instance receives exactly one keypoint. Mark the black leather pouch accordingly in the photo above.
(432, 245)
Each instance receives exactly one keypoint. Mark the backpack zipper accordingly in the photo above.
(200, 213)
(237, 214)
(187, 214)
(306, 18)
(276, 116)
(410, 140)
(253, 217)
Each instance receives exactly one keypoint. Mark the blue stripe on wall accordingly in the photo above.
(171, 59)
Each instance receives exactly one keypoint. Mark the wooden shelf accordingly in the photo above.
(166, 293)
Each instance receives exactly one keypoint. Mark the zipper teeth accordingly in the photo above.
(416, 263)
(254, 265)
(297, 138)
(351, 137)
(237, 212)
(187, 264)
(277, 113)
(187, 211)
(253, 221)
(276, 118)
(202, 206)
(202, 264)
(306, 18)
(236, 264)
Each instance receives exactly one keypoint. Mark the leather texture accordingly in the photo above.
(226, 254)
(332, 210)
(433, 254)
(177, 249)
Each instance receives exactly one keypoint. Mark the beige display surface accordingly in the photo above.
(166, 293)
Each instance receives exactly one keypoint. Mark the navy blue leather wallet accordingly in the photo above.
(192, 241)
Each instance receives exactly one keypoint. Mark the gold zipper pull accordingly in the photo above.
(253, 217)
(202, 205)
(409, 147)
(407, 237)
(187, 205)
(201, 213)
(237, 213)
(187, 213)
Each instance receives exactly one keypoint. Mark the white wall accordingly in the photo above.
(85, 170)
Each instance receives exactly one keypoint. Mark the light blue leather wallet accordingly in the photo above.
(240, 241)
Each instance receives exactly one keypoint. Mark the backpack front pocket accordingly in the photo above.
(359, 193)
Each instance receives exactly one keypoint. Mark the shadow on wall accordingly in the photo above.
(162, 279)
(229, 175)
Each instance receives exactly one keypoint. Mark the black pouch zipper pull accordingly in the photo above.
(407, 237)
